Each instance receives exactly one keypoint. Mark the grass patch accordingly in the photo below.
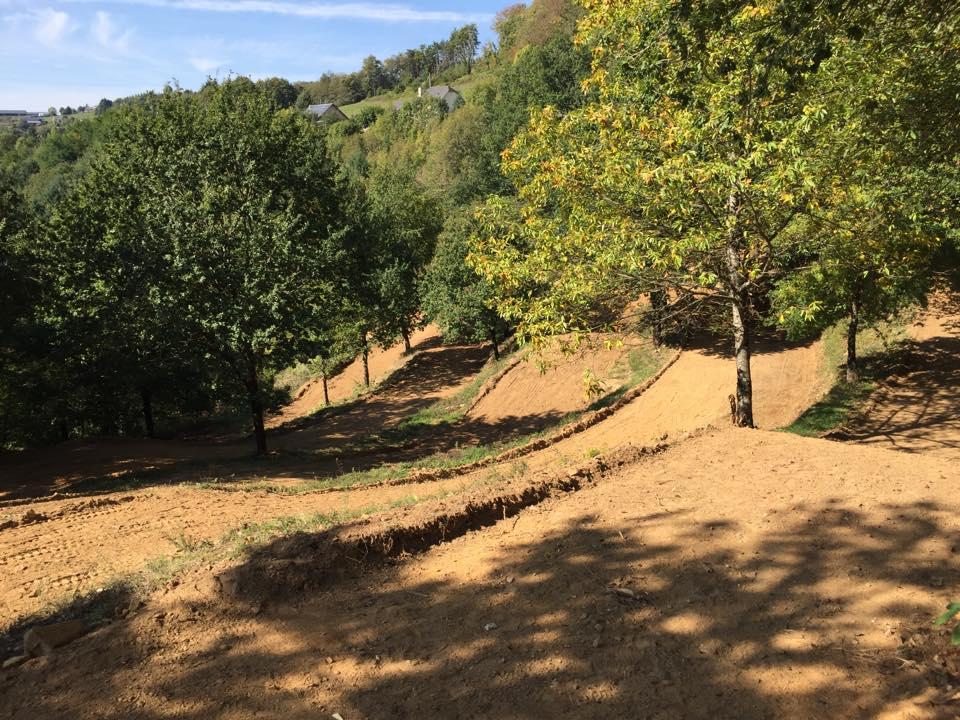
(845, 398)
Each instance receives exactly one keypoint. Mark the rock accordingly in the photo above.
(43, 639)
(490, 626)
(337, 716)
(14, 661)
(32, 516)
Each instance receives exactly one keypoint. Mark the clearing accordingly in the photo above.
(740, 574)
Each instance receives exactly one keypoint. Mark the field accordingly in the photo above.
(480, 539)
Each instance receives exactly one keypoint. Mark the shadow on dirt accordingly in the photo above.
(915, 408)
(650, 616)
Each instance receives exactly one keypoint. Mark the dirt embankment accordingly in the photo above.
(740, 574)
(553, 385)
(77, 552)
(917, 411)
(382, 362)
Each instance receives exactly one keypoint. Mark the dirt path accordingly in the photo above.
(742, 574)
(919, 412)
(382, 362)
(80, 545)
(79, 551)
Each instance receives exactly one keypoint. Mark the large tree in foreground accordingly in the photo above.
(235, 206)
(684, 176)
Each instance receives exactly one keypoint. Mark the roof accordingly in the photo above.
(440, 91)
(321, 108)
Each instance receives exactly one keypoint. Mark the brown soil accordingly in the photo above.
(382, 362)
(916, 411)
(688, 585)
(555, 388)
(78, 551)
(739, 574)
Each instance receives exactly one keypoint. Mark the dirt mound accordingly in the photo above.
(741, 574)
(554, 390)
(382, 362)
(917, 411)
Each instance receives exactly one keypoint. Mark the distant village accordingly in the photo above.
(326, 112)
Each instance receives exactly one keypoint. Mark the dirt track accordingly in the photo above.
(774, 594)
(917, 411)
(382, 362)
(80, 550)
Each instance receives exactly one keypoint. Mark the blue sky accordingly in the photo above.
(74, 52)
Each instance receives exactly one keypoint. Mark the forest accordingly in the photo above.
(740, 166)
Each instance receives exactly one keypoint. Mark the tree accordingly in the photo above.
(679, 177)
(18, 295)
(280, 93)
(241, 202)
(886, 171)
(372, 77)
(464, 43)
(405, 221)
(458, 300)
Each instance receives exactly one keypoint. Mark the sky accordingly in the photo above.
(75, 52)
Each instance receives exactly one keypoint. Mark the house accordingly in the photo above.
(327, 112)
(19, 117)
(444, 93)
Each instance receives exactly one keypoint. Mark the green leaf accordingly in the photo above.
(953, 609)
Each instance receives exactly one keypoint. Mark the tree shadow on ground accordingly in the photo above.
(915, 407)
(620, 613)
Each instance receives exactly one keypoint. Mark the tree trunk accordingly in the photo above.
(493, 341)
(366, 357)
(147, 397)
(406, 341)
(256, 411)
(326, 391)
(658, 306)
(853, 370)
(740, 311)
(64, 431)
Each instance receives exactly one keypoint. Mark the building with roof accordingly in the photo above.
(327, 112)
(444, 93)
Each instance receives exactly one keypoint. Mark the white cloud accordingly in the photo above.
(205, 65)
(51, 26)
(108, 35)
(384, 12)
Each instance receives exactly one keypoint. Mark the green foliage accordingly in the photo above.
(454, 297)
(210, 228)
(690, 170)
(953, 610)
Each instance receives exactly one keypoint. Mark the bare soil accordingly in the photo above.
(917, 411)
(688, 585)
(382, 362)
(738, 574)
(552, 385)
(78, 548)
